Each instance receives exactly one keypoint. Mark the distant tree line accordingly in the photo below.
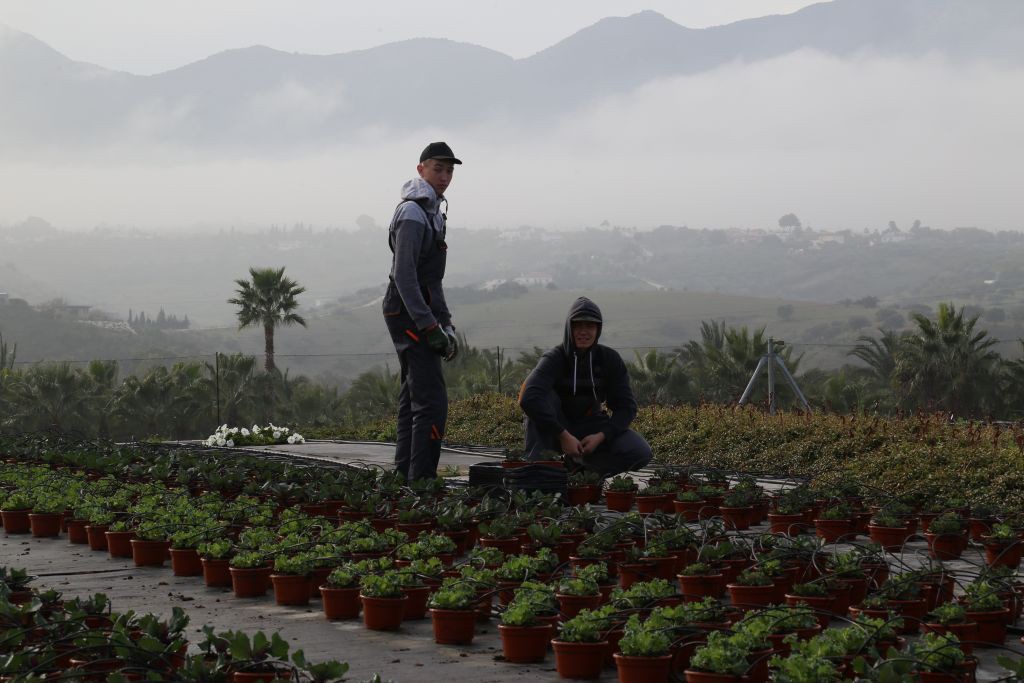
(945, 363)
(162, 321)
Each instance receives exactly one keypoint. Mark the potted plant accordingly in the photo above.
(149, 544)
(119, 537)
(947, 536)
(903, 595)
(584, 487)
(524, 637)
(47, 512)
(815, 595)
(383, 601)
(937, 657)
(643, 655)
(581, 645)
(215, 557)
(951, 617)
(834, 522)
(1002, 546)
(700, 580)
(500, 533)
(290, 578)
(620, 493)
(688, 504)
(804, 668)
(736, 509)
(985, 607)
(453, 611)
(751, 590)
(14, 511)
(577, 593)
(888, 530)
(259, 659)
(250, 574)
(722, 659)
(654, 498)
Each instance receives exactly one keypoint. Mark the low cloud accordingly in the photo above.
(843, 143)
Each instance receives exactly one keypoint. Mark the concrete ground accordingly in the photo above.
(407, 655)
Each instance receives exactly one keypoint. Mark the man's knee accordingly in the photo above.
(635, 449)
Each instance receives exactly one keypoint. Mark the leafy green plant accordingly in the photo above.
(753, 577)
(215, 550)
(586, 627)
(947, 613)
(699, 569)
(386, 585)
(946, 523)
(982, 596)
(344, 576)
(812, 589)
(458, 596)
(937, 652)
(641, 640)
(721, 655)
(803, 668)
(249, 559)
(578, 586)
(520, 614)
(622, 484)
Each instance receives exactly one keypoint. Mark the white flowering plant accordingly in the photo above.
(230, 437)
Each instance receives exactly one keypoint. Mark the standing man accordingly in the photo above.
(565, 397)
(416, 313)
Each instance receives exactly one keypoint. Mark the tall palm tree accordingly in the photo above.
(53, 396)
(948, 365)
(268, 300)
(235, 380)
(879, 354)
(658, 378)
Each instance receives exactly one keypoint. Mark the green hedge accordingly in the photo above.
(920, 453)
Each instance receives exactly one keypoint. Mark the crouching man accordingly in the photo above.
(566, 396)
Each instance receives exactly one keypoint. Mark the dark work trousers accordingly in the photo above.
(422, 401)
(626, 452)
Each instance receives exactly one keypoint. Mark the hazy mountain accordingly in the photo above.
(262, 98)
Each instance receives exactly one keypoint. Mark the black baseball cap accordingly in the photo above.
(440, 151)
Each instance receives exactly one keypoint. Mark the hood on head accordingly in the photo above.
(581, 309)
(419, 190)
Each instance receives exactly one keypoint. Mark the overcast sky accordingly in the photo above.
(149, 36)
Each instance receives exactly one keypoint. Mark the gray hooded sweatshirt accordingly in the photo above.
(416, 237)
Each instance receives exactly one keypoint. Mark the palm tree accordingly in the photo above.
(268, 300)
(879, 354)
(235, 380)
(948, 365)
(657, 378)
(53, 396)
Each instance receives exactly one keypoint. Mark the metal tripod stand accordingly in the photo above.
(770, 360)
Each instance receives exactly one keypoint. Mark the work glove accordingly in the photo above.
(453, 343)
(437, 340)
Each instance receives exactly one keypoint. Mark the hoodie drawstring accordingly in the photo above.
(593, 386)
(574, 357)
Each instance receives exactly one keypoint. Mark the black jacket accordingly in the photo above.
(584, 382)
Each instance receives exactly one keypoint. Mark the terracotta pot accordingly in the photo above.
(317, 577)
(76, 531)
(946, 546)
(215, 572)
(260, 676)
(119, 543)
(416, 605)
(524, 644)
(570, 605)
(790, 525)
(509, 546)
(45, 524)
(414, 529)
(736, 517)
(832, 530)
(581, 495)
(249, 582)
(383, 614)
(1003, 554)
(631, 572)
(579, 660)
(453, 627)
(842, 597)
(619, 501)
(962, 673)
(96, 534)
(708, 677)
(696, 588)
(148, 553)
(340, 603)
(646, 505)
(991, 627)
(858, 589)
(750, 597)
(912, 612)
(460, 537)
(979, 527)
(16, 521)
(290, 589)
(689, 509)
(890, 538)
(643, 669)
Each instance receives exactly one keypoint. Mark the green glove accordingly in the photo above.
(437, 340)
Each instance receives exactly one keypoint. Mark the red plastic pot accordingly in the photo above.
(750, 597)
(383, 614)
(249, 582)
(890, 538)
(340, 603)
(824, 607)
(696, 588)
(215, 572)
(643, 669)
(45, 524)
(646, 505)
(831, 530)
(453, 627)
(736, 517)
(524, 644)
(708, 677)
(1003, 554)
(946, 546)
(290, 589)
(76, 531)
(96, 534)
(119, 543)
(570, 605)
(965, 632)
(416, 605)
(148, 553)
(991, 626)
(619, 501)
(581, 495)
(16, 521)
(260, 676)
(579, 660)
(689, 509)
(787, 524)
